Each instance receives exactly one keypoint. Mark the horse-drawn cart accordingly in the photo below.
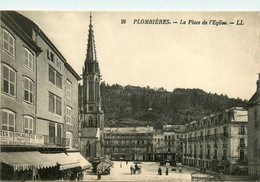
(137, 168)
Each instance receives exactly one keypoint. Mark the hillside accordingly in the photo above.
(132, 105)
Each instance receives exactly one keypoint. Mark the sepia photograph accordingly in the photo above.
(130, 95)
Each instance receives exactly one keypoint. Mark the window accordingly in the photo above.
(28, 124)
(242, 142)
(58, 63)
(208, 132)
(91, 91)
(68, 89)
(55, 77)
(8, 42)
(58, 105)
(242, 130)
(8, 120)
(68, 115)
(9, 80)
(242, 155)
(28, 59)
(50, 56)
(96, 90)
(51, 133)
(51, 75)
(58, 80)
(59, 135)
(54, 104)
(255, 149)
(255, 118)
(28, 90)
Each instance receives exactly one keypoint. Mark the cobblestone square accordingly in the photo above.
(149, 173)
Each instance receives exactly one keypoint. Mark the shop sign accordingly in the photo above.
(6, 137)
(36, 140)
(21, 138)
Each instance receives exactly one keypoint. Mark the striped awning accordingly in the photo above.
(63, 159)
(78, 157)
(26, 160)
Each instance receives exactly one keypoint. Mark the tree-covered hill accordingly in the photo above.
(133, 105)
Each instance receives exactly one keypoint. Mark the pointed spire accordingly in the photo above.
(90, 17)
(91, 50)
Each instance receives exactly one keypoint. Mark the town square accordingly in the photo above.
(130, 96)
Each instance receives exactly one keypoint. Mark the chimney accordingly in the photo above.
(258, 82)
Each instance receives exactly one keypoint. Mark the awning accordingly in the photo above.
(104, 165)
(78, 157)
(26, 160)
(64, 160)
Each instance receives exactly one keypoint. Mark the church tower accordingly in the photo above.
(92, 120)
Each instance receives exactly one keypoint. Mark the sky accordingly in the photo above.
(218, 59)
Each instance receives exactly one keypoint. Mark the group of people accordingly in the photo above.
(134, 169)
(167, 170)
(160, 171)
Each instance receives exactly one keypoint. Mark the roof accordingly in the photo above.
(14, 23)
(27, 26)
(255, 99)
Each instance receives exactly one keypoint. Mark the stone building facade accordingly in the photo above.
(34, 98)
(168, 143)
(218, 142)
(92, 116)
(254, 134)
(129, 143)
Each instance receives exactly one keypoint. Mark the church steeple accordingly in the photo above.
(91, 63)
(93, 117)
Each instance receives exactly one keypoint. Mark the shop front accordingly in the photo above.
(34, 165)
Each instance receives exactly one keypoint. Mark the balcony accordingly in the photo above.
(215, 145)
(215, 157)
(201, 156)
(56, 142)
(208, 156)
(224, 158)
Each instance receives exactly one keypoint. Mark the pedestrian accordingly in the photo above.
(79, 176)
(180, 169)
(160, 171)
(121, 164)
(166, 172)
(99, 174)
(126, 162)
(131, 169)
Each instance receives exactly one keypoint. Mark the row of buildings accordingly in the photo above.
(39, 105)
(218, 142)
(47, 118)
